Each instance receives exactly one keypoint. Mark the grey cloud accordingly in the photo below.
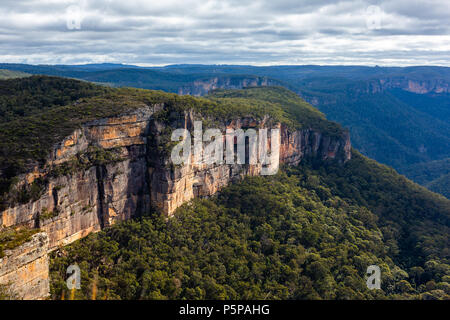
(431, 9)
(197, 31)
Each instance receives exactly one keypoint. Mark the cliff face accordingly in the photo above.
(412, 85)
(25, 268)
(202, 87)
(171, 188)
(139, 175)
(84, 201)
(434, 87)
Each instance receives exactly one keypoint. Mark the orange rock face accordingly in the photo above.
(25, 269)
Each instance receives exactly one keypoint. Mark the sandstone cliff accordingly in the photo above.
(25, 269)
(134, 174)
(370, 87)
(411, 85)
(202, 87)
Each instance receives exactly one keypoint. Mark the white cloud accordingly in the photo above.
(235, 32)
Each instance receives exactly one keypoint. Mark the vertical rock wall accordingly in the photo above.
(24, 270)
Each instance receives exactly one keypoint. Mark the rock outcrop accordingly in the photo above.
(24, 270)
(435, 86)
(136, 175)
(202, 87)
(374, 86)
(412, 85)
(85, 201)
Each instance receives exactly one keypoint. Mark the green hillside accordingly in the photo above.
(10, 74)
(440, 185)
(387, 125)
(435, 175)
(292, 106)
(424, 173)
(307, 233)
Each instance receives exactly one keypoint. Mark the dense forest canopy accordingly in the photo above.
(309, 232)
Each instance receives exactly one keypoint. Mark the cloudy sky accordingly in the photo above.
(268, 32)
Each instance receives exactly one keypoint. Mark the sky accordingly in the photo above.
(267, 32)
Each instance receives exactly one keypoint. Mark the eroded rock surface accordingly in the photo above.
(25, 269)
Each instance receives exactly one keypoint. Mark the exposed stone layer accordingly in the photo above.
(25, 269)
(171, 188)
(75, 205)
(412, 85)
(202, 87)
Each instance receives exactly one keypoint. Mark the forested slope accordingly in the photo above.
(307, 233)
